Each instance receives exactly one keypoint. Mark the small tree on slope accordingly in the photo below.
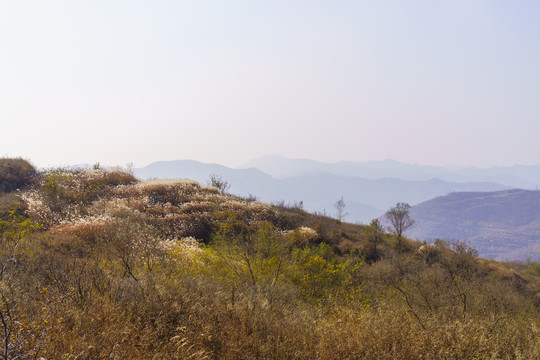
(400, 220)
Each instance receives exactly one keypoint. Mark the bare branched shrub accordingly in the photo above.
(135, 244)
(219, 183)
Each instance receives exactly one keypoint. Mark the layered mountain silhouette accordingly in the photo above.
(518, 176)
(317, 187)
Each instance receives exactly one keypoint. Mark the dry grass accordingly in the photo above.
(123, 269)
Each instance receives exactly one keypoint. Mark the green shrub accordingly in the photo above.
(11, 204)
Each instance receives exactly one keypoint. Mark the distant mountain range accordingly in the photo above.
(504, 225)
(319, 185)
(518, 176)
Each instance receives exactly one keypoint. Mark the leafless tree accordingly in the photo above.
(340, 209)
(400, 220)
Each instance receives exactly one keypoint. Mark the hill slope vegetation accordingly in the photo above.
(98, 265)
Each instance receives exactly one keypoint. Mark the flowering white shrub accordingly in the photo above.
(427, 248)
(301, 234)
(307, 232)
(37, 208)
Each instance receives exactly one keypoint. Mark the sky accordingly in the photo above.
(132, 81)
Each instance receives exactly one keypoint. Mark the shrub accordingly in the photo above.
(68, 192)
(15, 173)
(11, 204)
(219, 183)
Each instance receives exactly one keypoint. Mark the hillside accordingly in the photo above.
(502, 225)
(99, 265)
(366, 199)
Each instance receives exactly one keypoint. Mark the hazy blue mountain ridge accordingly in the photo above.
(365, 198)
(525, 177)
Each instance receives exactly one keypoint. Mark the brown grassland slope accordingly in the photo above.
(501, 224)
(95, 264)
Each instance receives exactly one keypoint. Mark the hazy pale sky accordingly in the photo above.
(428, 82)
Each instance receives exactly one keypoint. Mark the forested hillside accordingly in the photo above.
(96, 264)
